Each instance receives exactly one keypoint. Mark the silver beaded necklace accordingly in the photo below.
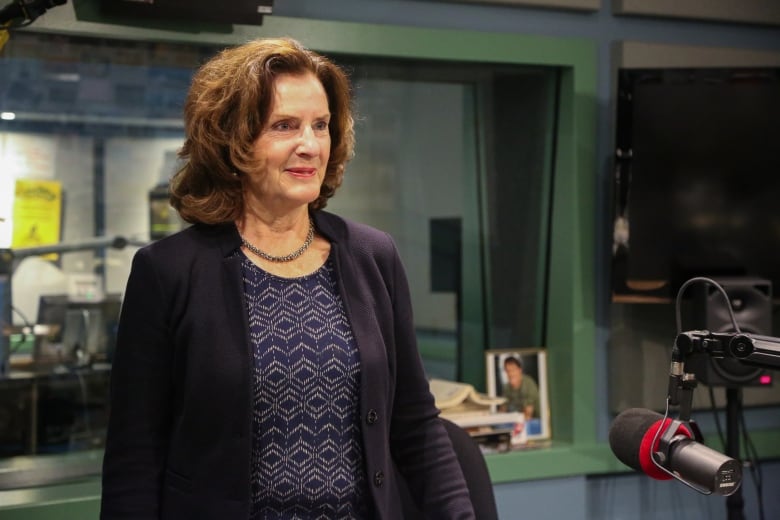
(286, 258)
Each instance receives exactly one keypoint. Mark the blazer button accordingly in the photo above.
(372, 416)
(379, 478)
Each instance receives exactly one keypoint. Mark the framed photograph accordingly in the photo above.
(520, 376)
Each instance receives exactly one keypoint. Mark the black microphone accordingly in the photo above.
(631, 439)
(26, 10)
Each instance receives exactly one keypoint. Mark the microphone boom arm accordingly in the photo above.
(750, 349)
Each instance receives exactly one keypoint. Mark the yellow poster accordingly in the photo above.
(37, 210)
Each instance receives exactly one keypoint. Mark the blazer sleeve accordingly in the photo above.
(140, 397)
(420, 444)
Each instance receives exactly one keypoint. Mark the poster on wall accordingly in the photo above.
(37, 213)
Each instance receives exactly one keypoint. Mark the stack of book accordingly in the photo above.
(476, 413)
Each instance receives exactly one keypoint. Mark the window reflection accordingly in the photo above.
(452, 159)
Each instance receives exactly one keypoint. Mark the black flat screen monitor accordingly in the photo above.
(697, 176)
(88, 326)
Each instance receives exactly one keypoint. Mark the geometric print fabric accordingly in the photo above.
(307, 457)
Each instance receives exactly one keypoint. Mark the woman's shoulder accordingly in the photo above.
(192, 242)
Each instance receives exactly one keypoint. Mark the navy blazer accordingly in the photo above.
(179, 437)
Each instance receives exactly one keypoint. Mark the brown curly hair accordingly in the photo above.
(226, 108)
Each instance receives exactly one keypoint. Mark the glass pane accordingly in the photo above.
(407, 178)
(86, 136)
(452, 160)
(518, 189)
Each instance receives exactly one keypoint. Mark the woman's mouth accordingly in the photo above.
(302, 172)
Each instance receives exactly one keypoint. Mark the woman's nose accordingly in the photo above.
(307, 142)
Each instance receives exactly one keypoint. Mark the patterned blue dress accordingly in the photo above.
(307, 457)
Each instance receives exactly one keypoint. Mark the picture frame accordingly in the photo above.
(533, 361)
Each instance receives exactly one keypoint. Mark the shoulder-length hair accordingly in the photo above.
(226, 108)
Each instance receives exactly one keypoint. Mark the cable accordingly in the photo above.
(656, 440)
(27, 323)
(718, 287)
(84, 404)
(754, 465)
(715, 417)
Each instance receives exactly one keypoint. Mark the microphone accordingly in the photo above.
(26, 10)
(631, 439)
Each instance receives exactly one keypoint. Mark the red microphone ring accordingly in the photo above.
(646, 449)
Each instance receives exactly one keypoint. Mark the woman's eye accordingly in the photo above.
(282, 125)
(321, 125)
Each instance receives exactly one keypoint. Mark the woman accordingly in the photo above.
(266, 364)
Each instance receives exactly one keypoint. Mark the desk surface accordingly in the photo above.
(29, 371)
(53, 409)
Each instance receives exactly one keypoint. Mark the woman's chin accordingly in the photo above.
(304, 198)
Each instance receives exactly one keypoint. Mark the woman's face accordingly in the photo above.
(294, 146)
